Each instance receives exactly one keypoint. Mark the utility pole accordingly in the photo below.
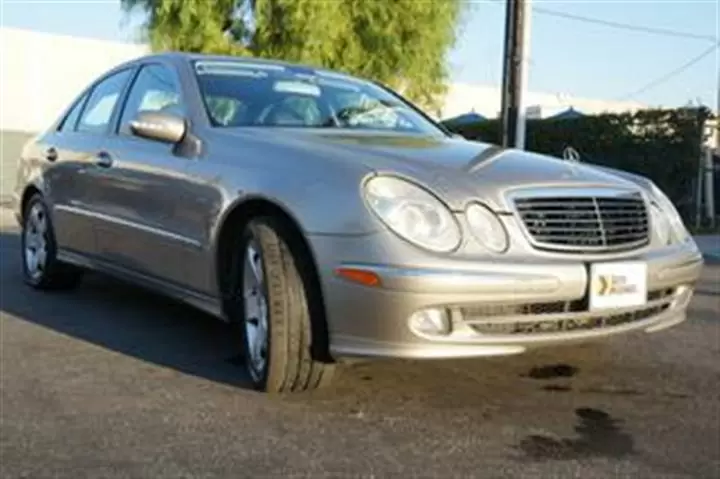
(515, 66)
(713, 127)
(710, 163)
(706, 168)
(709, 168)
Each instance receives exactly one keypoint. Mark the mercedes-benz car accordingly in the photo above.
(329, 218)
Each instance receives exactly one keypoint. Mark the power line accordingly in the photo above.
(642, 29)
(620, 25)
(672, 73)
(625, 26)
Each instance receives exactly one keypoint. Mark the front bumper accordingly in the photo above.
(496, 308)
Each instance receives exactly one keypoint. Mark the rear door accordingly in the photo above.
(74, 151)
(67, 152)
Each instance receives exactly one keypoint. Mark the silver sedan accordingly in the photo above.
(326, 217)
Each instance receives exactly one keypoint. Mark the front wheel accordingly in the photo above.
(275, 316)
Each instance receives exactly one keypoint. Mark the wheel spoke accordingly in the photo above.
(38, 220)
(260, 349)
(31, 240)
(251, 333)
(252, 311)
(40, 257)
(263, 317)
(256, 330)
(31, 261)
(254, 261)
(36, 217)
(41, 225)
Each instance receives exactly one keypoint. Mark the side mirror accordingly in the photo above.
(155, 125)
(457, 136)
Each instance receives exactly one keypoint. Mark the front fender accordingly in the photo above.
(322, 192)
(318, 206)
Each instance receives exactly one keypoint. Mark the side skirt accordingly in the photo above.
(196, 299)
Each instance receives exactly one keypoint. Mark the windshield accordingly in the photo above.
(238, 94)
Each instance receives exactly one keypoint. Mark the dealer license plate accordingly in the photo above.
(617, 285)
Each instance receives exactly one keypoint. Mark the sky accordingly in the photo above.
(567, 56)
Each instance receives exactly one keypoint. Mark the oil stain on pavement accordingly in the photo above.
(557, 388)
(614, 391)
(552, 371)
(598, 435)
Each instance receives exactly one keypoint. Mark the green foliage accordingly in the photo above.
(400, 43)
(187, 25)
(663, 145)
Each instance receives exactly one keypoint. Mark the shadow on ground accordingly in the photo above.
(151, 327)
(126, 319)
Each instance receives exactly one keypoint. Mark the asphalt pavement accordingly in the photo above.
(110, 381)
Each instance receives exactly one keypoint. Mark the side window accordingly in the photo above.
(98, 111)
(154, 89)
(70, 120)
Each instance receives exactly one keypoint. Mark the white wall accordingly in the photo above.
(41, 73)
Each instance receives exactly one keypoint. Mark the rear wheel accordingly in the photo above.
(41, 268)
(274, 314)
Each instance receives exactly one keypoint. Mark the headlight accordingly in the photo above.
(673, 222)
(660, 223)
(487, 228)
(413, 213)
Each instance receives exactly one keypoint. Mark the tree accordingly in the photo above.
(400, 43)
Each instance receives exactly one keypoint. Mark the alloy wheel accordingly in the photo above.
(256, 312)
(36, 244)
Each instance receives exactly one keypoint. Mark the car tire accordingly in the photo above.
(41, 268)
(273, 286)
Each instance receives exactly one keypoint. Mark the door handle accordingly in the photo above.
(103, 159)
(51, 154)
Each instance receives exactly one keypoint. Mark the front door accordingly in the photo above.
(147, 198)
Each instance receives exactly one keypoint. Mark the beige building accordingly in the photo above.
(41, 73)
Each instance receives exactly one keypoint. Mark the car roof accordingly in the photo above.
(178, 57)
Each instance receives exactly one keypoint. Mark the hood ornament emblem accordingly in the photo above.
(572, 156)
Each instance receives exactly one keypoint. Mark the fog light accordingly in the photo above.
(434, 322)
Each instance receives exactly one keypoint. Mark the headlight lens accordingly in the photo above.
(660, 223)
(677, 232)
(413, 213)
(487, 227)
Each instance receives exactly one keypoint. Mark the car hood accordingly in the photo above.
(456, 170)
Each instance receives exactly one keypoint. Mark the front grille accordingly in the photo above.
(585, 223)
